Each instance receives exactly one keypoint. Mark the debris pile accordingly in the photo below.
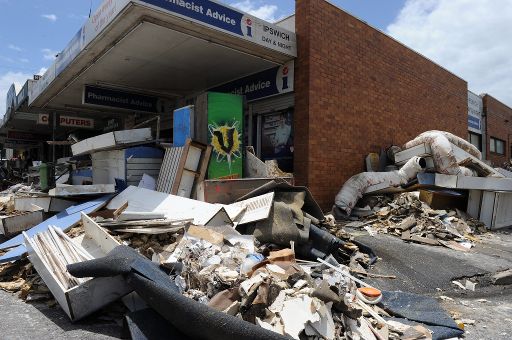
(263, 262)
(408, 217)
(20, 277)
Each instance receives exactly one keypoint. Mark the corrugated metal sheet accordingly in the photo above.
(169, 169)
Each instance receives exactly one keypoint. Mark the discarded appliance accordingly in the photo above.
(128, 164)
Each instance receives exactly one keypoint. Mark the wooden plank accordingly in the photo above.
(25, 203)
(483, 183)
(203, 169)
(174, 207)
(98, 235)
(255, 209)
(144, 166)
(462, 156)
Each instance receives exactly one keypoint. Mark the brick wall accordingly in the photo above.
(358, 90)
(498, 125)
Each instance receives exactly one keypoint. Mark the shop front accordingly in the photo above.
(135, 62)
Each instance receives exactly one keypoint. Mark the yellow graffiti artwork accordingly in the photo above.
(226, 142)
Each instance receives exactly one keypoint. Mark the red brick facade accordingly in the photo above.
(498, 125)
(358, 90)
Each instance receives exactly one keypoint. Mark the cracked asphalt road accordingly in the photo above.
(430, 270)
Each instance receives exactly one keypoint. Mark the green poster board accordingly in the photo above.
(225, 124)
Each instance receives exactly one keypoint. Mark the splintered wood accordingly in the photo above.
(57, 250)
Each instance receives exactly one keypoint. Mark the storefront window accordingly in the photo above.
(497, 146)
(277, 138)
(476, 140)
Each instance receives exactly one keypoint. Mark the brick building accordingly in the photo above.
(498, 130)
(358, 90)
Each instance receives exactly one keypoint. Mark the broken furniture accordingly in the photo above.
(65, 220)
(19, 221)
(184, 168)
(88, 296)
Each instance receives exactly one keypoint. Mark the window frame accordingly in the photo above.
(479, 137)
(493, 144)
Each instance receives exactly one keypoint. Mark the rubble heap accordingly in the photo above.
(406, 216)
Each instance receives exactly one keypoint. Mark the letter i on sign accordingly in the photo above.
(285, 77)
(248, 21)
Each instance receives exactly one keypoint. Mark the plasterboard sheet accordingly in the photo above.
(254, 209)
(173, 207)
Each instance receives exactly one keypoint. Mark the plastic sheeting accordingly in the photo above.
(354, 188)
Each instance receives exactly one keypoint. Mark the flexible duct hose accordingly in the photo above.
(354, 188)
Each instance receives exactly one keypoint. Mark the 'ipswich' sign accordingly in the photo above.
(232, 21)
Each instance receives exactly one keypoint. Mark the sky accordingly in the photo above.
(469, 38)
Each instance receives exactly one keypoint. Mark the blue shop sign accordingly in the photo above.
(276, 80)
(474, 122)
